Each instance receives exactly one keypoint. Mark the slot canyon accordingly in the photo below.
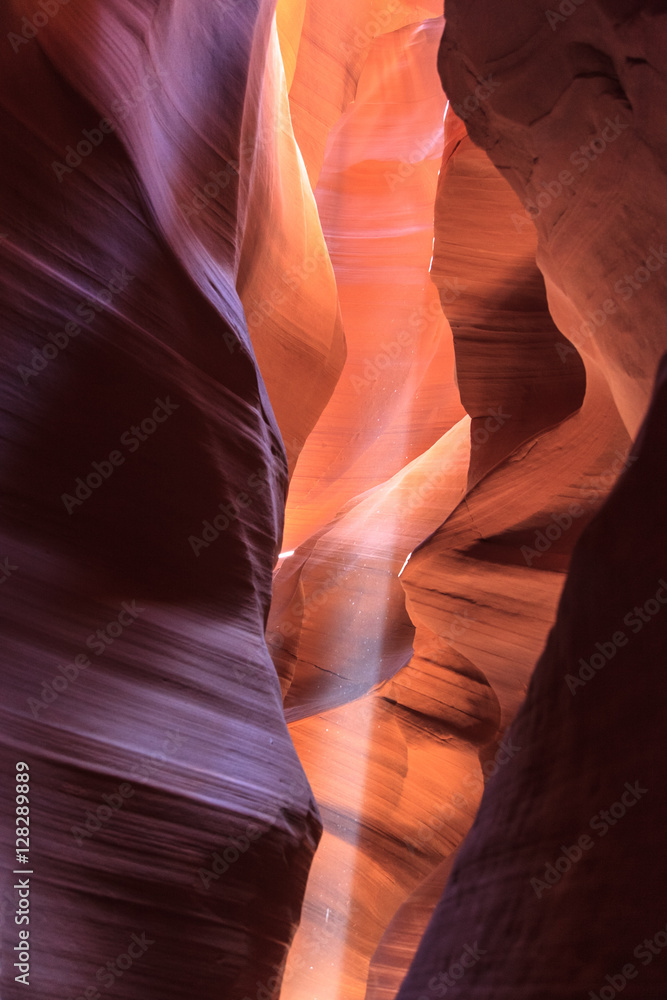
(333, 563)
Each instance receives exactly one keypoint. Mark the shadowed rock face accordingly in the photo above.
(143, 487)
(559, 901)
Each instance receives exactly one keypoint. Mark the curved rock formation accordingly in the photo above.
(144, 480)
(530, 470)
(566, 144)
(244, 246)
(531, 907)
(580, 146)
(396, 395)
(537, 444)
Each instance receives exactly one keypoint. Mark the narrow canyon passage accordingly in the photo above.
(332, 513)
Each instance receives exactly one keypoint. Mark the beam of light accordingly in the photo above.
(341, 762)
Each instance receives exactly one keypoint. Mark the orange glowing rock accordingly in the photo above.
(493, 509)
(396, 395)
(581, 146)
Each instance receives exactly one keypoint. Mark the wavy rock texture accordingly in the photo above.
(143, 489)
(565, 142)
(276, 228)
(500, 514)
(570, 928)
(481, 595)
(375, 194)
(338, 625)
(325, 50)
(582, 148)
(545, 448)
(285, 279)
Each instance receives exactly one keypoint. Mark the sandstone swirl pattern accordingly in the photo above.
(121, 311)
(246, 244)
